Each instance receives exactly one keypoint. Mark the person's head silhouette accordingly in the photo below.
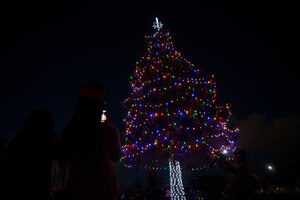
(39, 124)
(90, 103)
(92, 90)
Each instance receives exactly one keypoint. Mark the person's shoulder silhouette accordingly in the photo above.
(28, 157)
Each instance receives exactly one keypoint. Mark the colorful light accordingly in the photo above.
(173, 109)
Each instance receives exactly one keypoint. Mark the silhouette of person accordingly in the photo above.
(89, 148)
(244, 178)
(28, 159)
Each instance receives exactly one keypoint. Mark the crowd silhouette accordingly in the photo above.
(86, 151)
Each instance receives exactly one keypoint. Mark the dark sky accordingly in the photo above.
(49, 48)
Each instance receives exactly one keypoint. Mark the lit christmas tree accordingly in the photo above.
(173, 110)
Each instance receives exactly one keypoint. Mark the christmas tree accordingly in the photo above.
(174, 110)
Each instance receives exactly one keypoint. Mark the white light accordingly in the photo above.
(225, 151)
(157, 24)
(270, 167)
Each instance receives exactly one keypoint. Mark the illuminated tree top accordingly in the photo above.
(157, 24)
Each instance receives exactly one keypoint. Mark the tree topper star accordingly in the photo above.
(157, 24)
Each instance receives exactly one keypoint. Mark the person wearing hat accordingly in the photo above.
(89, 148)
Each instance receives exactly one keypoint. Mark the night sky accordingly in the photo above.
(49, 49)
